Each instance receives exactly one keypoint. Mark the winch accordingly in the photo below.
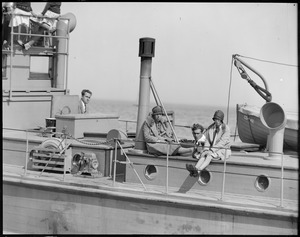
(85, 164)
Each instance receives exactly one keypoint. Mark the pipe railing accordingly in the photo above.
(118, 144)
(222, 192)
(12, 33)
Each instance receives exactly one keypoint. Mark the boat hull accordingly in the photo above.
(35, 207)
(252, 130)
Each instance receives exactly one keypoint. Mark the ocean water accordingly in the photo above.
(185, 115)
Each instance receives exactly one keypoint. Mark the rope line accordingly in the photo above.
(267, 61)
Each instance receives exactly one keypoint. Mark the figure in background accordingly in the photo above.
(159, 136)
(199, 139)
(83, 103)
(51, 10)
(217, 144)
(20, 23)
(7, 9)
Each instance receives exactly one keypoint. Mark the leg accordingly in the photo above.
(206, 162)
(200, 162)
(185, 151)
(33, 39)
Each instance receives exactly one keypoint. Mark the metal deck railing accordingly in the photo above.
(117, 144)
(49, 36)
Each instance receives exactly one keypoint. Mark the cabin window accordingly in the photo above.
(204, 177)
(262, 183)
(40, 67)
(150, 172)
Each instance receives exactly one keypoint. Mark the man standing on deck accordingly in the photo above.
(83, 103)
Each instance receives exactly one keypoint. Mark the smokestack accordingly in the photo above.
(146, 52)
(273, 117)
(62, 28)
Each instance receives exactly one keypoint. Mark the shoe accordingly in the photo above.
(52, 30)
(192, 169)
(27, 46)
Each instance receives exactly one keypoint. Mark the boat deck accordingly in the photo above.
(95, 186)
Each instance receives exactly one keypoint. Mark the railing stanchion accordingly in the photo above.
(224, 171)
(26, 156)
(167, 172)
(110, 162)
(281, 186)
(129, 162)
(115, 162)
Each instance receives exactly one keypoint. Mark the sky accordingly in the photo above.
(194, 44)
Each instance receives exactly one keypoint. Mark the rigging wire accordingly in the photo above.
(161, 104)
(229, 91)
(262, 60)
(228, 103)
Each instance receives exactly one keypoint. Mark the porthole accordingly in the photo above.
(262, 183)
(150, 172)
(204, 177)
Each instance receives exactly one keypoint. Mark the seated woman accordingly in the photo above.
(159, 136)
(217, 145)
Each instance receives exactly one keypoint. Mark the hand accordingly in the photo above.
(183, 140)
(169, 140)
(33, 14)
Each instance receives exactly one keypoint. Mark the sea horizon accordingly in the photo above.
(184, 115)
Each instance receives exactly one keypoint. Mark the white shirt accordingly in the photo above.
(201, 140)
(84, 107)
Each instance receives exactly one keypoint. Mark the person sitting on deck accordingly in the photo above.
(159, 136)
(51, 12)
(199, 139)
(217, 145)
(83, 103)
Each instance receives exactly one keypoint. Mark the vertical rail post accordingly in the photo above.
(11, 55)
(167, 173)
(67, 58)
(26, 158)
(64, 174)
(281, 184)
(223, 180)
(115, 162)
(110, 162)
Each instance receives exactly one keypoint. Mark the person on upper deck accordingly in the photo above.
(21, 21)
(217, 145)
(51, 12)
(7, 9)
(159, 136)
(83, 103)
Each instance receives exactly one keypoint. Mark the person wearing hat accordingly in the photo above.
(217, 144)
(159, 136)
